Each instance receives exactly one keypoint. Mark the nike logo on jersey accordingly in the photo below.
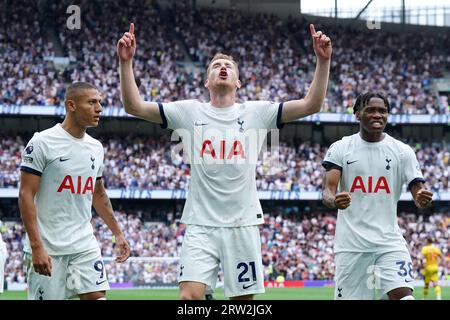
(250, 285)
(99, 282)
(408, 280)
(198, 124)
(62, 160)
(350, 162)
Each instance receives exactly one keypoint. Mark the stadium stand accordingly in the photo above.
(276, 63)
(299, 247)
(393, 63)
(142, 162)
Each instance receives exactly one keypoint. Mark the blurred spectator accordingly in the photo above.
(147, 163)
(294, 247)
(275, 57)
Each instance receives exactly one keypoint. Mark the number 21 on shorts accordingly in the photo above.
(247, 271)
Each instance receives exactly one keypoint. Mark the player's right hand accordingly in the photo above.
(342, 200)
(42, 262)
(126, 47)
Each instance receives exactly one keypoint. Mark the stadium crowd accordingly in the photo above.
(26, 76)
(275, 56)
(296, 246)
(276, 63)
(148, 163)
(402, 65)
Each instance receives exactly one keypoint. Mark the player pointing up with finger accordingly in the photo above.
(222, 211)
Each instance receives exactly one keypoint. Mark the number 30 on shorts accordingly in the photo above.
(242, 277)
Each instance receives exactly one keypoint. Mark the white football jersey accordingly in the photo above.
(374, 173)
(222, 145)
(69, 168)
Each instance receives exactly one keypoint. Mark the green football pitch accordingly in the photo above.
(323, 293)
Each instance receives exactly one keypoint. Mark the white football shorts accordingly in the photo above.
(236, 249)
(366, 276)
(72, 275)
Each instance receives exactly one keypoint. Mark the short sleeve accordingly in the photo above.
(270, 113)
(412, 172)
(175, 115)
(33, 156)
(334, 156)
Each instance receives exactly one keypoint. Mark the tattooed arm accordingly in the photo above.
(104, 209)
(329, 197)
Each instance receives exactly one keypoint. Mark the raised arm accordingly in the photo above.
(104, 209)
(312, 102)
(329, 197)
(422, 197)
(132, 101)
(29, 186)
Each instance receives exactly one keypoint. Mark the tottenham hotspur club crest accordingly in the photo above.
(93, 166)
(41, 294)
(388, 166)
(181, 270)
(241, 129)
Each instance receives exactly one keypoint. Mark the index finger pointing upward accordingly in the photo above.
(312, 29)
(131, 28)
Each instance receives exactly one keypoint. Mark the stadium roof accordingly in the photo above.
(430, 12)
(418, 12)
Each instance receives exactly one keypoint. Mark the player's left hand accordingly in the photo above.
(424, 198)
(123, 249)
(321, 43)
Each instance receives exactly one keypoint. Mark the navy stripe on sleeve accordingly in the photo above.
(415, 181)
(280, 110)
(330, 165)
(163, 116)
(29, 170)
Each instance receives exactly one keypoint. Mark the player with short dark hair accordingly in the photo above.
(365, 173)
(61, 178)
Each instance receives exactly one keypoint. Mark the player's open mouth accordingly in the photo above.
(97, 118)
(223, 75)
(377, 124)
